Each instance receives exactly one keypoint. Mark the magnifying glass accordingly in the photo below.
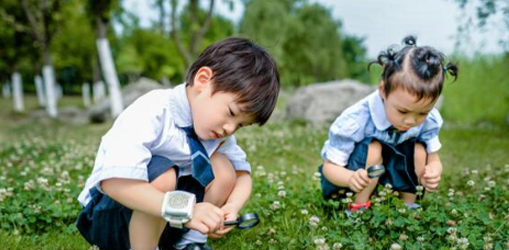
(376, 171)
(245, 221)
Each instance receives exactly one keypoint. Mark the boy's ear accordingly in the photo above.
(202, 78)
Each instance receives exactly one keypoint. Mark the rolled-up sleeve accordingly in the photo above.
(430, 131)
(125, 149)
(341, 143)
(235, 154)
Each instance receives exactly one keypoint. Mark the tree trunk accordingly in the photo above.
(108, 68)
(17, 89)
(39, 88)
(49, 83)
(85, 92)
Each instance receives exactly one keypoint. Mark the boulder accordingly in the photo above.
(101, 112)
(322, 102)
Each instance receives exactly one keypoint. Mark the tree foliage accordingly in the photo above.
(305, 40)
(486, 10)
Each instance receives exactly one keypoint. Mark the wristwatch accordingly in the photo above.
(177, 207)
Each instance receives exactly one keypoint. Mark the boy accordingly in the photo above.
(161, 143)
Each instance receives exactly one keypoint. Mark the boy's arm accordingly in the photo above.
(143, 197)
(237, 200)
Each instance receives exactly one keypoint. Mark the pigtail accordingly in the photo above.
(427, 62)
(452, 69)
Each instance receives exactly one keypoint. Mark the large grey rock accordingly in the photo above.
(101, 111)
(322, 103)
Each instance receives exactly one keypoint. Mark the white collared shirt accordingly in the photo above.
(152, 125)
(366, 118)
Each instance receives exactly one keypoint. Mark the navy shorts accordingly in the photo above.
(105, 222)
(399, 167)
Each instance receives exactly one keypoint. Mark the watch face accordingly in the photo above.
(179, 200)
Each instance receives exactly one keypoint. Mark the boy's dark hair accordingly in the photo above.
(419, 70)
(245, 69)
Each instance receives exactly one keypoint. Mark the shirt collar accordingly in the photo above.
(180, 109)
(377, 111)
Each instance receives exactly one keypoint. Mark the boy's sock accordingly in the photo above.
(192, 236)
(412, 206)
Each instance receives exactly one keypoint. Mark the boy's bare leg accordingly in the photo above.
(218, 191)
(420, 159)
(374, 157)
(145, 230)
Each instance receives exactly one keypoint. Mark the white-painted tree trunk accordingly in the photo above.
(17, 89)
(59, 91)
(110, 75)
(85, 93)
(39, 88)
(6, 90)
(49, 83)
(99, 91)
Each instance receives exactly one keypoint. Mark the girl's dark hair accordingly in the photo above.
(419, 70)
(245, 69)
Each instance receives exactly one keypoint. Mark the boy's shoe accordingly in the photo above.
(357, 207)
(197, 246)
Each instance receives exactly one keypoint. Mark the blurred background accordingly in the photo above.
(68, 47)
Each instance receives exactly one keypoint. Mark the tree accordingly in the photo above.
(305, 40)
(485, 11)
(44, 18)
(197, 28)
(101, 11)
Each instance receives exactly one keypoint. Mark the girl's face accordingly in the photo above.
(215, 115)
(403, 110)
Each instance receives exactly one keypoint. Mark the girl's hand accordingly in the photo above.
(206, 218)
(431, 177)
(231, 212)
(359, 180)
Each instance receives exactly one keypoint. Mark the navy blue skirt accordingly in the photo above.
(105, 223)
(399, 167)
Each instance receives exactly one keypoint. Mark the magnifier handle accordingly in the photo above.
(231, 223)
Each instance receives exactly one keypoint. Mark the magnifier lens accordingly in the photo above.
(376, 171)
(249, 223)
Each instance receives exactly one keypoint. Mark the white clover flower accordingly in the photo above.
(492, 184)
(281, 194)
(272, 241)
(475, 171)
(388, 186)
(282, 174)
(258, 195)
(316, 176)
(319, 241)
(420, 238)
(452, 230)
(324, 228)
(314, 220)
(275, 205)
(349, 194)
(470, 183)
(463, 243)
(337, 246)
(419, 188)
(304, 211)
(396, 246)
(454, 212)
(402, 210)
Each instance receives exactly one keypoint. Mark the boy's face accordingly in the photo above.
(218, 115)
(403, 110)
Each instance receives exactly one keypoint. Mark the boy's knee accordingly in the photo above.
(166, 181)
(374, 153)
(224, 173)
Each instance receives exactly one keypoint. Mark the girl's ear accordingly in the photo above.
(202, 78)
(381, 89)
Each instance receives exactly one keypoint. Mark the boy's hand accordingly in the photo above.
(231, 212)
(206, 218)
(431, 177)
(359, 180)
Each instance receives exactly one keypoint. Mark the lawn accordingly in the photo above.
(44, 163)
